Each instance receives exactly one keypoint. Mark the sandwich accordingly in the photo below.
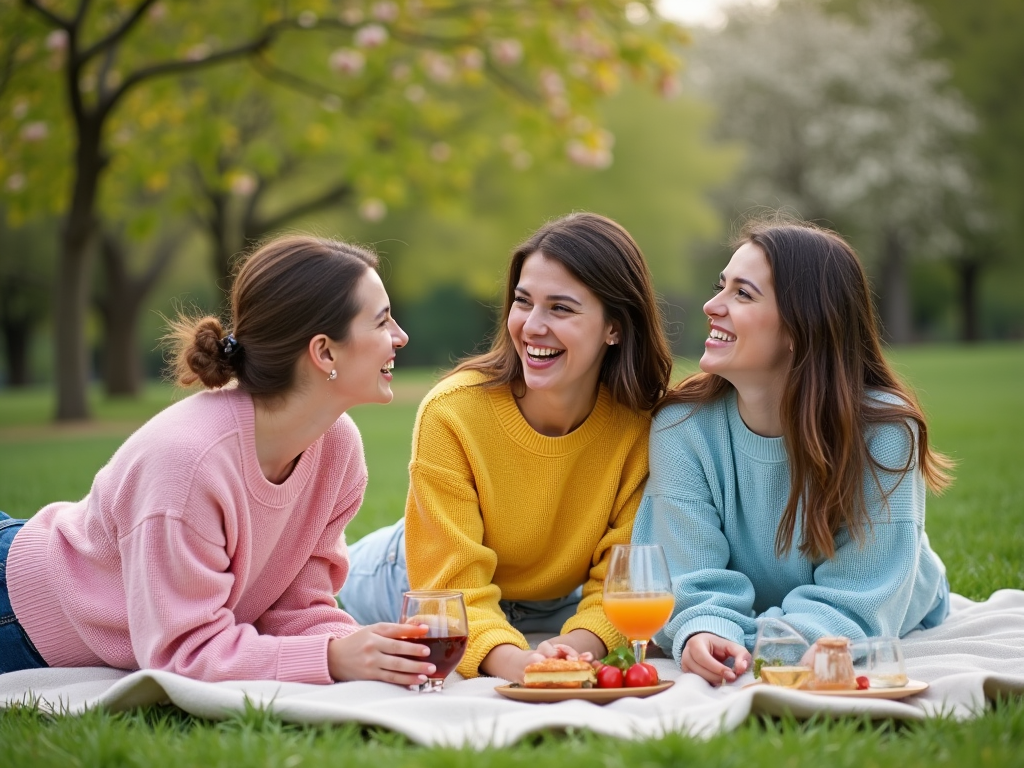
(559, 673)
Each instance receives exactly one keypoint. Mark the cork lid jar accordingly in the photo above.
(832, 665)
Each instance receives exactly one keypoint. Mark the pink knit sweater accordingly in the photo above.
(184, 557)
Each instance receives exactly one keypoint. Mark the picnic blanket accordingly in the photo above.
(977, 654)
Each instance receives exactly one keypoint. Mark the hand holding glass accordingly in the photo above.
(638, 593)
(444, 613)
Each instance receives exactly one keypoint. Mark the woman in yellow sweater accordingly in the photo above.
(529, 461)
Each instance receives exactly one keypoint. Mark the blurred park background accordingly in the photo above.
(145, 144)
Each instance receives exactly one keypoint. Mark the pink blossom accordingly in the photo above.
(352, 16)
(57, 40)
(370, 36)
(440, 152)
(471, 58)
(439, 67)
(669, 86)
(157, 11)
(347, 61)
(415, 93)
(507, 52)
(15, 182)
(373, 210)
(385, 11)
(551, 83)
(243, 184)
(35, 131)
(522, 160)
(307, 19)
(593, 152)
(197, 52)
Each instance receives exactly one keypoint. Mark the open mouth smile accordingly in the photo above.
(543, 354)
(719, 335)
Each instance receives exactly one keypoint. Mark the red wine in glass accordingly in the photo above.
(445, 653)
(443, 611)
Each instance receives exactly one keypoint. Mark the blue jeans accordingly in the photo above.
(16, 650)
(377, 579)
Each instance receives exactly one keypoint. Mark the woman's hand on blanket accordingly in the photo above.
(378, 652)
(509, 662)
(705, 654)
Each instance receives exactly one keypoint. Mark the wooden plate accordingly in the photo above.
(596, 695)
(912, 688)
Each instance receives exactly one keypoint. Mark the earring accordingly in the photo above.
(333, 376)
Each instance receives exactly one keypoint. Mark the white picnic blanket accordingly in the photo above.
(975, 655)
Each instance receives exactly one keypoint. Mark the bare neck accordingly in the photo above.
(555, 414)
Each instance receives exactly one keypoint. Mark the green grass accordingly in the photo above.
(973, 396)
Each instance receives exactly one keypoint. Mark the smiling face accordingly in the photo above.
(365, 359)
(559, 329)
(746, 344)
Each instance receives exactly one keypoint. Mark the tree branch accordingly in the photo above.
(295, 82)
(8, 67)
(327, 198)
(114, 37)
(83, 8)
(171, 67)
(53, 18)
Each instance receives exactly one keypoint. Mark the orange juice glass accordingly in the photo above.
(638, 593)
(638, 615)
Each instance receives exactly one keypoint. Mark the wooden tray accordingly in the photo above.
(595, 695)
(912, 688)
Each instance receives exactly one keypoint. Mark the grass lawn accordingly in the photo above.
(973, 396)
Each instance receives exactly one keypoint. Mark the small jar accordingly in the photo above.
(833, 666)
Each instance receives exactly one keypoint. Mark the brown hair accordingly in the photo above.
(825, 308)
(287, 291)
(601, 255)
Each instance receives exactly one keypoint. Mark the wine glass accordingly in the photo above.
(781, 654)
(444, 613)
(638, 593)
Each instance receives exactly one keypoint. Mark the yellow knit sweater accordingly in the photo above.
(499, 511)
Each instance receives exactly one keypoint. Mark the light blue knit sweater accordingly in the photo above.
(714, 500)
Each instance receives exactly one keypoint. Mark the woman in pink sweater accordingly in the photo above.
(212, 542)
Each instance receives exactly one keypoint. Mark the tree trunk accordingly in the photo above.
(120, 307)
(969, 272)
(74, 270)
(895, 291)
(17, 333)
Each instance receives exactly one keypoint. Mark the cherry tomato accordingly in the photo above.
(863, 683)
(640, 676)
(653, 671)
(609, 677)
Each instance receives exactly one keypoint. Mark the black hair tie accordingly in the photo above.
(229, 345)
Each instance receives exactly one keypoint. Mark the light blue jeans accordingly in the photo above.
(378, 578)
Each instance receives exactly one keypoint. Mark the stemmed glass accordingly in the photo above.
(638, 593)
(444, 613)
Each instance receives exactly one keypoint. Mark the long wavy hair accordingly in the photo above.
(602, 256)
(826, 310)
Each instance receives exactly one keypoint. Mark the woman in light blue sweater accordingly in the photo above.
(788, 478)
